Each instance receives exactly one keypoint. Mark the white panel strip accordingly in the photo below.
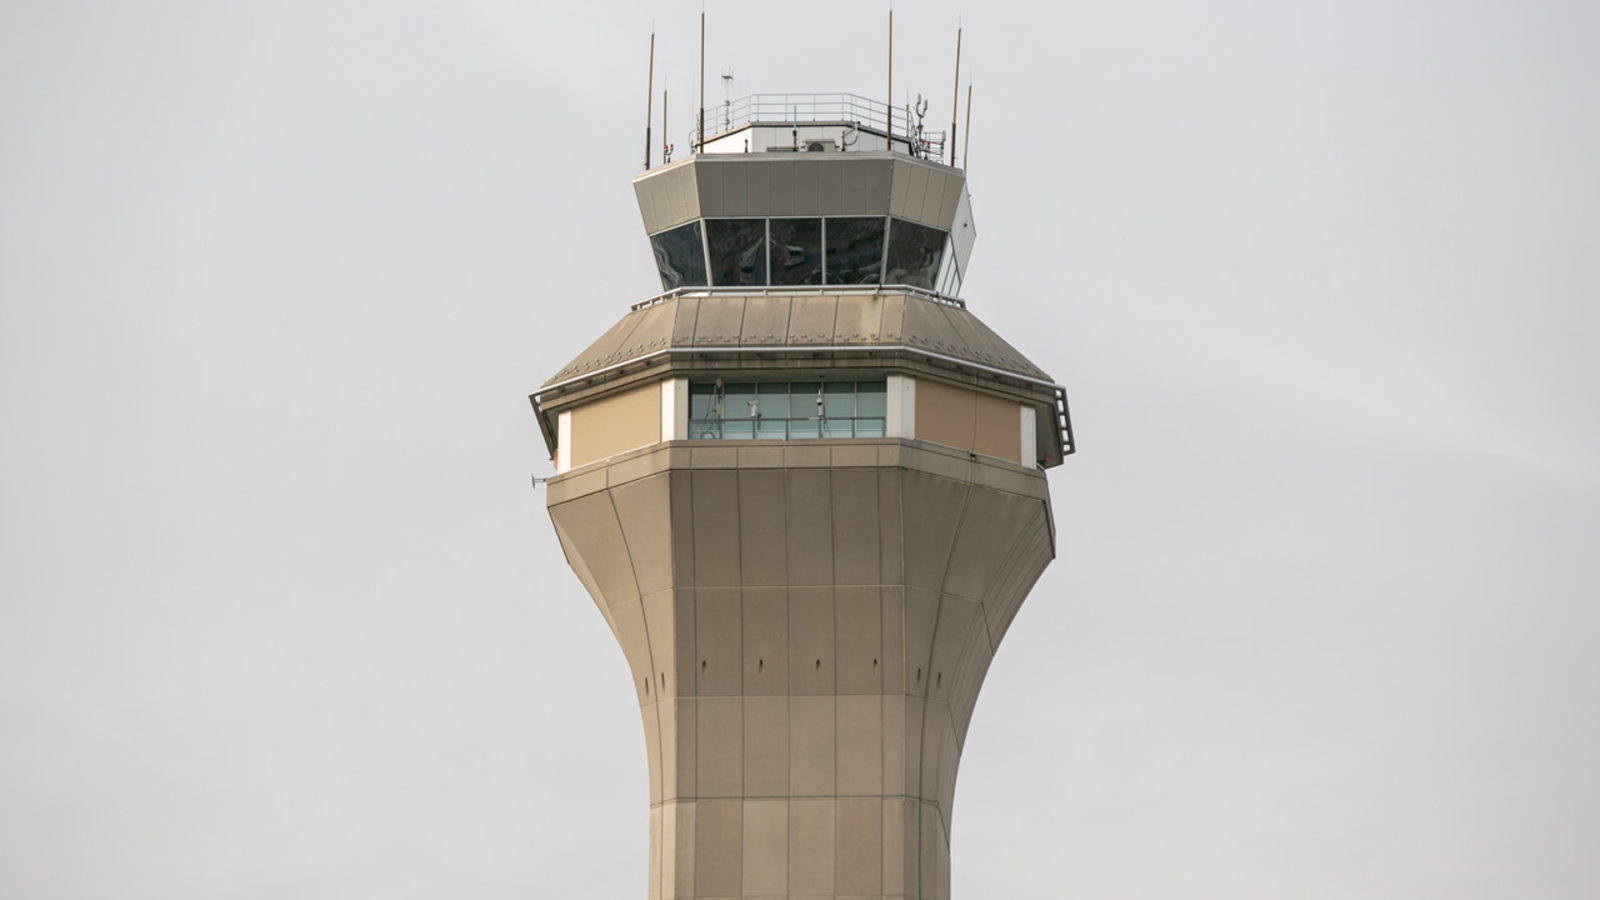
(1030, 444)
(902, 407)
(564, 442)
(675, 409)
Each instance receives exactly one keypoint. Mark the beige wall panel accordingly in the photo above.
(998, 430)
(645, 193)
(682, 528)
(935, 725)
(766, 321)
(957, 617)
(855, 456)
(900, 846)
(719, 848)
(894, 743)
(921, 616)
(766, 641)
(667, 724)
(858, 620)
(673, 207)
(686, 192)
(852, 200)
(687, 723)
(855, 526)
(580, 567)
(811, 746)
(811, 650)
(811, 829)
(860, 745)
(766, 746)
(796, 455)
(683, 323)
(811, 320)
(991, 526)
(594, 532)
(644, 511)
(928, 857)
(760, 458)
(629, 619)
(899, 187)
(809, 527)
(859, 318)
(761, 524)
(894, 310)
(949, 763)
(719, 740)
(933, 200)
(758, 189)
(952, 199)
(858, 853)
(660, 620)
(616, 424)
(721, 319)
(708, 183)
(734, 178)
(894, 650)
(650, 716)
(945, 414)
(654, 880)
(916, 191)
(915, 708)
(928, 319)
(719, 642)
(782, 177)
(932, 509)
(889, 541)
(766, 848)
(716, 527)
(970, 673)
(805, 188)
(830, 198)
(683, 878)
(877, 177)
(1038, 557)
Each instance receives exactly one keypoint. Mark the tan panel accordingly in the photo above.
(933, 199)
(859, 318)
(616, 424)
(661, 623)
(782, 176)
(876, 178)
(811, 848)
(858, 861)
(809, 528)
(894, 309)
(708, 182)
(686, 193)
(893, 665)
(687, 724)
(766, 746)
(666, 749)
(932, 509)
(855, 526)
(650, 714)
(654, 882)
(766, 641)
(719, 641)
(643, 508)
(915, 706)
(971, 669)
(916, 190)
(860, 748)
(683, 882)
(591, 526)
(716, 527)
(682, 528)
(811, 319)
(899, 186)
(858, 616)
(900, 845)
(766, 848)
(889, 542)
(811, 746)
(734, 178)
(766, 321)
(758, 188)
(998, 428)
(852, 175)
(719, 739)
(952, 199)
(719, 321)
(830, 199)
(645, 192)
(949, 761)
(805, 188)
(761, 531)
(811, 651)
(921, 614)
(719, 843)
(629, 619)
(894, 743)
(992, 523)
(935, 725)
(957, 616)
(683, 322)
(945, 414)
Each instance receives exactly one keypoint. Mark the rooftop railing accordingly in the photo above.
(816, 109)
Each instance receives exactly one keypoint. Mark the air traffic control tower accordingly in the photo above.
(806, 488)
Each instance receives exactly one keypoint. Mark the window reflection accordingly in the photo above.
(914, 252)
(855, 249)
(738, 251)
(796, 251)
(680, 256)
(777, 410)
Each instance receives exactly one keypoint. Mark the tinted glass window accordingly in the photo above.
(680, 257)
(914, 252)
(855, 250)
(738, 251)
(796, 251)
(787, 411)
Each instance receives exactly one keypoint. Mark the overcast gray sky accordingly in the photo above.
(281, 617)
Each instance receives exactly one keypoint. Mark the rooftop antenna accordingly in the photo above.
(955, 101)
(666, 146)
(727, 102)
(889, 98)
(966, 139)
(650, 95)
(701, 145)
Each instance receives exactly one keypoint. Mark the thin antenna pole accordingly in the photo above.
(966, 139)
(955, 99)
(649, 96)
(702, 81)
(889, 105)
(665, 133)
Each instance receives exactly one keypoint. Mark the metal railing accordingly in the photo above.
(833, 289)
(817, 109)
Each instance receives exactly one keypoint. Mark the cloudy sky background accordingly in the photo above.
(281, 616)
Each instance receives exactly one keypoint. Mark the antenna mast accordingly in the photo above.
(889, 99)
(955, 100)
(649, 96)
(701, 145)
